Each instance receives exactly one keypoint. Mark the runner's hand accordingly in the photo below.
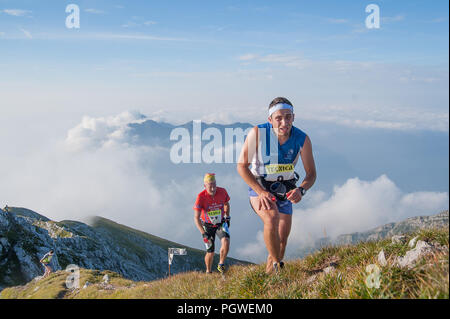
(266, 200)
(205, 237)
(294, 196)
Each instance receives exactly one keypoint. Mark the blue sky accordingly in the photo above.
(205, 35)
(132, 55)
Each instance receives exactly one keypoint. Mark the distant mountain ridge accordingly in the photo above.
(388, 230)
(408, 225)
(25, 236)
(153, 133)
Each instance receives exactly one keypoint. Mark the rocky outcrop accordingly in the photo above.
(411, 257)
(381, 258)
(420, 249)
(398, 239)
(396, 229)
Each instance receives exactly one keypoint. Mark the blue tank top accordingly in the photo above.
(274, 160)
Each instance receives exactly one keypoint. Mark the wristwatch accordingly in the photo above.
(302, 191)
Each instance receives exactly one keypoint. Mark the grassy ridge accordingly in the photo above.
(303, 278)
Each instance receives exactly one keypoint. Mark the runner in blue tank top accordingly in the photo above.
(273, 149)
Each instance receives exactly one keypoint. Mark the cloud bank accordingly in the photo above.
(101, 132)
(96, 170)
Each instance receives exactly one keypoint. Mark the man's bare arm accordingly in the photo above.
(197, 221)
(249, 150)
(226, 209)
(308, 164)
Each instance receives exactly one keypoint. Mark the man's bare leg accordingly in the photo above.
(47, 271)
(208, 261)
(270, 219)
(225, 247)
(284, 229)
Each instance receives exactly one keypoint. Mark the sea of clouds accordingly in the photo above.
(95, 169)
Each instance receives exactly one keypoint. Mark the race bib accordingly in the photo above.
(215, 216)
(274, 170)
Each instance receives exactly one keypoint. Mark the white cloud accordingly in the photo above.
(396, 18)
(248, 57)
(124, 36)
(93, 133)
(360, 205)
(254, 250)
(438, 20)
(354, 206)
(349, 93)
(132, 24)
(337, 21)
(286, 60)
(16, 12)
(110, 181)
(27, 33)
(294, 61)
(94, 11)
(382, 117)
(130, 184)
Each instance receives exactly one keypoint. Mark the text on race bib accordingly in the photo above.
(215, 216)
(279, 168)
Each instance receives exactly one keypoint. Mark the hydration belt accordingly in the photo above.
(280, 187)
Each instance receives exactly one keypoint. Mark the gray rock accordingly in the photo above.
(412, 256)
(329, 270)
(412, 242)
(311, 279)
(398, 239)
(106, 286)
(106, 279)
(381, 259)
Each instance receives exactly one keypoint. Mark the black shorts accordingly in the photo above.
(212, 231)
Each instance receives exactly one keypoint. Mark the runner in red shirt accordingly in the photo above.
(212, 217)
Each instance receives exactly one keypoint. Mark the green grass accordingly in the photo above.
(301, 278)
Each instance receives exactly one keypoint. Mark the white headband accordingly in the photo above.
(280, 106)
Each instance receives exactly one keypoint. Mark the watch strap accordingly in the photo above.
(302, 190)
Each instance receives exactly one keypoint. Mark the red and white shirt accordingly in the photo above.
(212, 207)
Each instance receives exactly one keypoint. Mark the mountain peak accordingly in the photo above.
(20, 211)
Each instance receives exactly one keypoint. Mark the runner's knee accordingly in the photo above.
(283, 241)
(225, 242)
(271, 218)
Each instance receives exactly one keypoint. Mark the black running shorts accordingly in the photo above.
(212, 232)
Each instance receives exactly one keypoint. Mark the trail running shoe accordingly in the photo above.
(221, 268)
(276, 268)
